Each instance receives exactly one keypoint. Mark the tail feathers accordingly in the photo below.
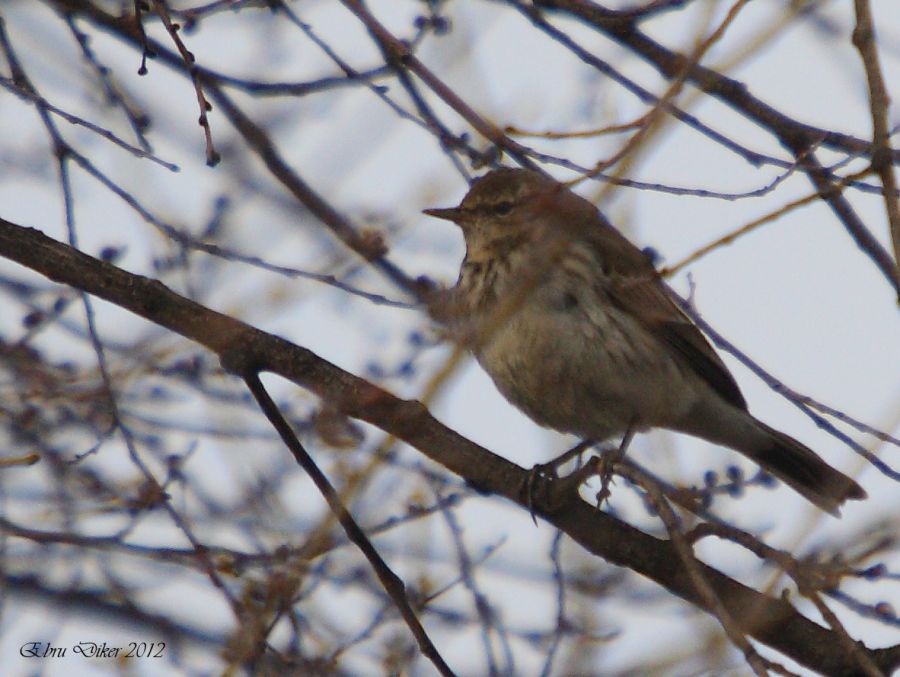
(802, 469)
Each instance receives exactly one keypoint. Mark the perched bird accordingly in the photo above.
(576, 328)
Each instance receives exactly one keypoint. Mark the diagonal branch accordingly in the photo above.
(772, 621)
(797, 137)
(389, 580)
(258, 140)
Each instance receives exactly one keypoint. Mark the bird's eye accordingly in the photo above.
(503, 208)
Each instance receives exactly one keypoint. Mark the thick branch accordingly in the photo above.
(772, 621)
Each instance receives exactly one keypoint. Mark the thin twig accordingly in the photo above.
(391, 582)
(190, 62)
(686, 555)
(864, 40)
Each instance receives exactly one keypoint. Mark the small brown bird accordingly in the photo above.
(577, 329)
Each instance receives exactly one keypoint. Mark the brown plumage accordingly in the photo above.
(576, 328)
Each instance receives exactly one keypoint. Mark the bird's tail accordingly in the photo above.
(800, 467)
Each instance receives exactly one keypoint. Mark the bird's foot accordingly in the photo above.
(605, 466)
(544, 477)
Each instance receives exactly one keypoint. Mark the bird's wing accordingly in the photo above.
(637, 290)
(644, 297)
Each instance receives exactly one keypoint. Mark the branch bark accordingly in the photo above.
(772, 621)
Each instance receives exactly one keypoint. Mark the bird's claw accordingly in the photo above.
(546, 474)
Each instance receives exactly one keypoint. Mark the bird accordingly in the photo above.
(577, 329)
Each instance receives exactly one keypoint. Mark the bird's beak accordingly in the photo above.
(454, 214)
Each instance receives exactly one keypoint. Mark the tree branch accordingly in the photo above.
(797, 137)
(772, 621)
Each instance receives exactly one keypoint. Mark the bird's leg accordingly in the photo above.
(609, 459)
(549, 471)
